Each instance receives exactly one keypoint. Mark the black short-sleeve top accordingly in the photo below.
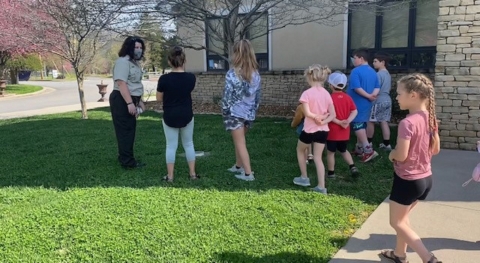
(177, 90)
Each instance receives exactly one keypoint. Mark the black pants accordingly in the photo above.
(125, 125)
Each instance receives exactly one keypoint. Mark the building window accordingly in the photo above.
(256, 32)
(407, 31)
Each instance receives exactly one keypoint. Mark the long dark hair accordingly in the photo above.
(128, 47)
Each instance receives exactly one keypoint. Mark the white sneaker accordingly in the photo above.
(243, 177)
(234, 169)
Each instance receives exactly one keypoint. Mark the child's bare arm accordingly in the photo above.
(331, 114)
(352, 116)
(363, 93)
(307, 112)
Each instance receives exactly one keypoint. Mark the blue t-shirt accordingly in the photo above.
(366, 78)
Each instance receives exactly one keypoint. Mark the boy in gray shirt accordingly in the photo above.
(382, 107)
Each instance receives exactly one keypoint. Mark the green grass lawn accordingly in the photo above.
(64, 198)
(22, 89)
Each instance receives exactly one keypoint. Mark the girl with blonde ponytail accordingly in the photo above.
(319, 111)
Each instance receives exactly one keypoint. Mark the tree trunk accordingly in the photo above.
(81, 94)
(13, 76)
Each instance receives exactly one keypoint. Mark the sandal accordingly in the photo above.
(390, 254)
(194, 177)
(434, 259)
(167, 179)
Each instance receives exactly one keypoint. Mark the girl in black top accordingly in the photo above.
(174, 90)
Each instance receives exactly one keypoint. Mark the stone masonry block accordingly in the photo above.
(473, 9)
(455, 109)
(463, 133)
(457, 96)
(450, 33)
(474, 113)
(457, 71)
(444, 102)
(466, 2)
(454, 57)
(463, 90)
(449, 3)
(459, 40)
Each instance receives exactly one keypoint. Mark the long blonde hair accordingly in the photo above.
(422, 85)
(317, 73)
(244, 61)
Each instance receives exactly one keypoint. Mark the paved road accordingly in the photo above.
(58, 94)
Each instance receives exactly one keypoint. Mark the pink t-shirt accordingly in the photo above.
(417, 165)
(318, 100)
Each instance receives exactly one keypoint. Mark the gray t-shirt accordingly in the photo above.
(385, 81)
(129, 72)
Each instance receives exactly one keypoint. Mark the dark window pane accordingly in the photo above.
(215, 34)
(362, 33)
(426, 25)
(262, 63)
(423, 59)
(258, 33)
(395, 25)
(398, 60)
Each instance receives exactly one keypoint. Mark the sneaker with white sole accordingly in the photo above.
(244, 177)
(385, 147)
(357, 151)
(331, 176)
(354, 172)
(234, 169)
(302, 181)
(320, 190)
(366, 157)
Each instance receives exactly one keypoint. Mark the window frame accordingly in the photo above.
(409, 51)
(259, 56)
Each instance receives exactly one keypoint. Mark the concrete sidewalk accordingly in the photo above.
(52, 110)
(448, 221)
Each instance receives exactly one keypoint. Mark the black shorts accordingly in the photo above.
(406, 192)
(318, 137)
(333, 146)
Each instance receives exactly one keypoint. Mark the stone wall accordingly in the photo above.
(457, 78)
(281, 90)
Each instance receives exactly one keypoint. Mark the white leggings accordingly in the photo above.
(171, 136)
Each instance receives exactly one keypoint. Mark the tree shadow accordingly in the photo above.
(378, 241)
(62, 151)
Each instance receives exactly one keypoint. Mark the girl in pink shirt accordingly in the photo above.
(319, 111)
(417, 142)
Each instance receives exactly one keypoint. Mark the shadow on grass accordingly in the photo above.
(62, 151)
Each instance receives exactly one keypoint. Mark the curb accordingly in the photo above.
(14, 96)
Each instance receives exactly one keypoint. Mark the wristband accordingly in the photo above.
(129, 103)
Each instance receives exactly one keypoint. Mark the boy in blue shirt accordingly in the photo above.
(363, 89)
